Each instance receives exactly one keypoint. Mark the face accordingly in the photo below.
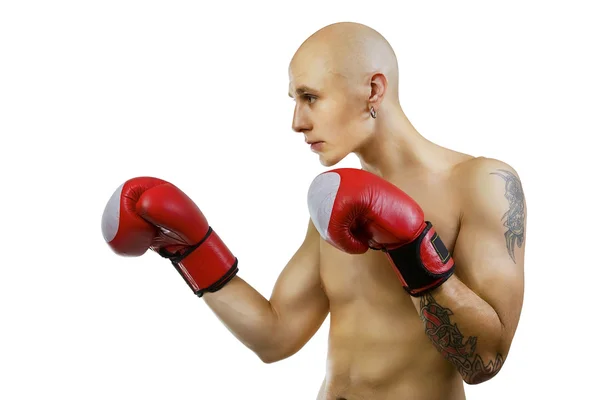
(330, 111)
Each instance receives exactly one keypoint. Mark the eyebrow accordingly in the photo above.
(302, 90)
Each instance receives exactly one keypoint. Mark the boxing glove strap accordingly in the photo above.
(218, 285)
(198, 272)
(423, 264)
(215, 286)
(177, 257)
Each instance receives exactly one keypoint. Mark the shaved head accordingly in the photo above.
(351, 51)
(344, 81)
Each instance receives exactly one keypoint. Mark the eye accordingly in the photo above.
(310, 99)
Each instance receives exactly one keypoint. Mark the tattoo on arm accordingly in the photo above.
(450, 342)
(514, 218)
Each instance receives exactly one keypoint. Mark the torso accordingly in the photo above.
(377, 345)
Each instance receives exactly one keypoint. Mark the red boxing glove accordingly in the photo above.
(149, 213)
(355, 210)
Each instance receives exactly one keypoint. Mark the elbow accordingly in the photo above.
(267, 355)
(486, 364)
(269, 358)
(278, 346)
(272, 358)
(478, 378)
(273, 355)
(484, 368)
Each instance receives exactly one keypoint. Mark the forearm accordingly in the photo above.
(248, 315)
(464, 328)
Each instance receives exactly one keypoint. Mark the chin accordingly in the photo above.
(329, 160)
(327, 163)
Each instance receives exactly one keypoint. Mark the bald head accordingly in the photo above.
(351, 51)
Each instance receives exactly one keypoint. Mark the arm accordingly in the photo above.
(473, 316)
(470, 301)
(277, 328)
(150, 213)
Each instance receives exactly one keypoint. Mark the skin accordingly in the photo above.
(383, 343)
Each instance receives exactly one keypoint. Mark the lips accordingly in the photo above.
(315, 146)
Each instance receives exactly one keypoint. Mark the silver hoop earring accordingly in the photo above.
(373, 113)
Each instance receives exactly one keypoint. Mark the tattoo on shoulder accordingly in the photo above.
(451, 343)
(514, 218)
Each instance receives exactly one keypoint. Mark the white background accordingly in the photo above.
(94, 93)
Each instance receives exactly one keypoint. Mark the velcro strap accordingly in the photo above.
(424, 264)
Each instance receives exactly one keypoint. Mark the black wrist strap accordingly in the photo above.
(407, 259)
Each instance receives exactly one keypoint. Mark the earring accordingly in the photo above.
(373, 113)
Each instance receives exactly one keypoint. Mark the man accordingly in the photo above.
(418, 257)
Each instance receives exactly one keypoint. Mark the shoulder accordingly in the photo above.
(482, 167)
(488, 186)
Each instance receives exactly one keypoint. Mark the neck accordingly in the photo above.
(395, 146)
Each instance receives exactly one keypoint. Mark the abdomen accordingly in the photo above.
(377, 342)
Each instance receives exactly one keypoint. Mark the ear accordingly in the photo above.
(378, 89)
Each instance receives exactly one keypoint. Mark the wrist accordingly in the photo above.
(206, 266)
(422, 264)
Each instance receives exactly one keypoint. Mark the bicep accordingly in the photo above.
(298, 298)
(489, 251)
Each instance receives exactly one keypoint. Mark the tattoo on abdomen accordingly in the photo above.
(514, 218)
(451, 343)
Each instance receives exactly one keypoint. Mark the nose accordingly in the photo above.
(300, 121)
